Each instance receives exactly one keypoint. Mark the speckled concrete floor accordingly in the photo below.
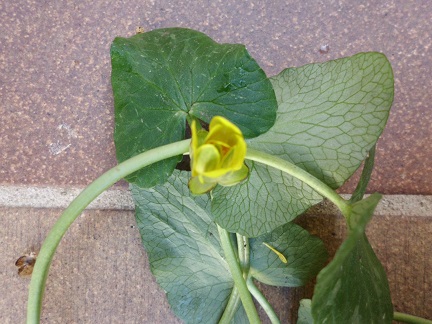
(56, 117)
(56, 100)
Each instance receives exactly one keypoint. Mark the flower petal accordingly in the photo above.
(198, 138)
(207, 158)
(222, 130)
(217, 156)
(234, 158)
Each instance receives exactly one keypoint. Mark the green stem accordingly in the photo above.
(231, 307)
(40, 272)
(300, 174)
(406, 318)
(234, 301)
(237, 275)
(244, 253)
(244, 258)
(262, 301)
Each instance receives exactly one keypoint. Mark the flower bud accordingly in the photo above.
(217, 156)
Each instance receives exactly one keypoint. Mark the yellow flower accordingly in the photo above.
(217, 156)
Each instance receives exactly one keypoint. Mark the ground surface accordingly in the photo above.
(56, 111)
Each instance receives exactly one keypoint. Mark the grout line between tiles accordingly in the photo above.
(120, 199)
(56, 197)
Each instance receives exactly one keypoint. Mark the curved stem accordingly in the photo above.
(300, 174)
(262, 301)
(237, 275)
(406, 318)
(40, 272)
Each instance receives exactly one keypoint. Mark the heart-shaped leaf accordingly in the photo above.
(329, 116)
(184, 250)
(268, 199)
(166, 76)
(305, 254)
(353, 288)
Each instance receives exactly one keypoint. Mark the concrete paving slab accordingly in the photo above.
(100, 272)
(99, 275)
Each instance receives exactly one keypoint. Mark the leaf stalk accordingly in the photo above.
(299, 173)
(262, 301)
(237, 275)
(411, 319)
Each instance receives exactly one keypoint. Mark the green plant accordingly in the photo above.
(307, 130)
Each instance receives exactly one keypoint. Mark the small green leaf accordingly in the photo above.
(268, 199)
(305, 253)
(184, 250)
(330, 114)
(353, 288)
(305, 312)
(164, 77)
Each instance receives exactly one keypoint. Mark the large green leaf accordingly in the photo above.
(305, 253)
(268, 199)
(353, 288)
(162, 77)
(329, 116)
(184, 250)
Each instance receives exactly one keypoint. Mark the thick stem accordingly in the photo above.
(300, 174)
(237, 275)
(234, 301)
(406, 318)
(40, 272)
